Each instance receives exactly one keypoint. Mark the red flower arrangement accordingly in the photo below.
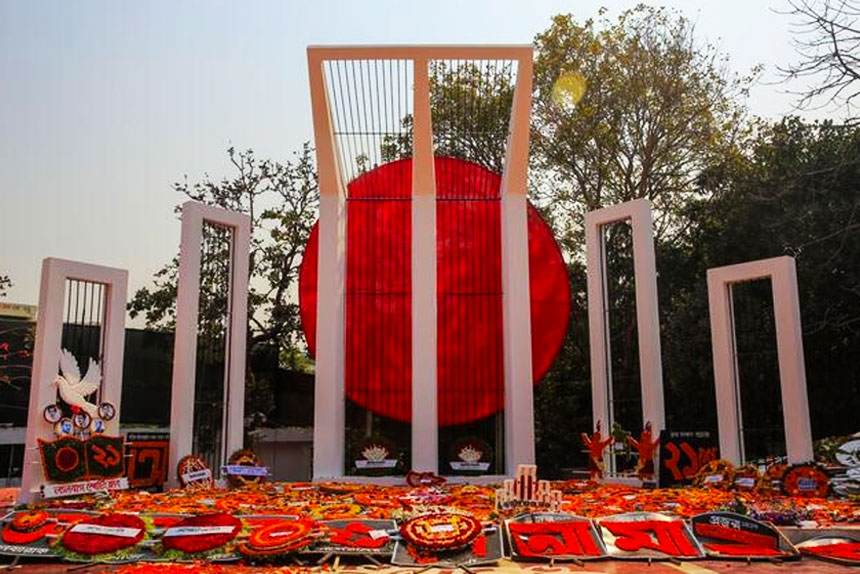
(805, 480)
(441, 531)
(26, 527)
(279, 538)
(356, 535)
(336, 511)
(81, 540)
(191, 542)
(191, 465)
(377, 500)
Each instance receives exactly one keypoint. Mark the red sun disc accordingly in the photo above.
(470, 363)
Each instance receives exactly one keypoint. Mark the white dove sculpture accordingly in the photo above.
(73, 389)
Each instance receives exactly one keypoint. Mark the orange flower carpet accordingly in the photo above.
(333, 501)
(289, 526)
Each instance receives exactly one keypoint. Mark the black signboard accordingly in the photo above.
(147, 460)
(727, 535)
(682, 454)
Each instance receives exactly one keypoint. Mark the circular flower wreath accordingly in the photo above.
(244, 457)
(716, 474)
(26, 527)
(336, 511)
(278, 538)
(746, 478)
(197, 543)
(441, 531)
(193, 463)
(773, 475)
(807, 480)
(92, 543)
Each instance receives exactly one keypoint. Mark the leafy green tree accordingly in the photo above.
(656, 109)
(470, 106)
(281, 200)
(795, 195)
(624, 109)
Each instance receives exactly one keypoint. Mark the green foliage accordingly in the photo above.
(796, 195)
(281, 200)
(470, 104)
(657, 109)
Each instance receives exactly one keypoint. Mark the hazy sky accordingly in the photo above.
(104, 104)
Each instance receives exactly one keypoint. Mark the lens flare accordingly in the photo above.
(569, 89)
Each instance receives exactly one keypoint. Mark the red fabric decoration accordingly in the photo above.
(356, 535)
(469, 334)
(843, 550)
(737, 542)
(550, 539)
(666, 536)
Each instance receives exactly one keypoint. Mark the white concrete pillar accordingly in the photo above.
(516, 302)
(647, 312)
(194, 216)
(425, 427)
(46, 354)
(329, 405)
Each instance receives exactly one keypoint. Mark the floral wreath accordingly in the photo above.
(202, 543)
(441, 531)
(192, 463)
(278, 538)
(806, 480)
(716, 474)
(747, 478)
(774, 474)
(26, 527)
(63, 459)
(244, 457)
(93, 543)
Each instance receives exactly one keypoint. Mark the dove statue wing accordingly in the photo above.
(69, 367)
(90, 383)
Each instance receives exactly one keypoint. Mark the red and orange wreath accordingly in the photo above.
(279, 538)
(807, 480)
(26, 527)
(441, 531)
(194, 543)
(90, 541)
(187, 467)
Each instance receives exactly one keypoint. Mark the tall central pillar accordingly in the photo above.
(425, 430)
